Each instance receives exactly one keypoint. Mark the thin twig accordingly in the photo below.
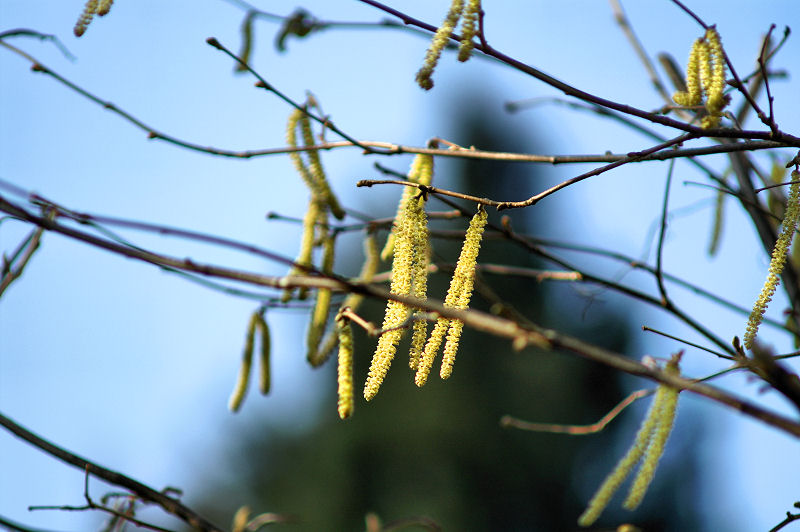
(578, 430)
(790, 517)
(661, 234)
(681, 340)
(264, 84)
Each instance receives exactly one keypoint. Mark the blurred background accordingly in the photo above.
(131, 366)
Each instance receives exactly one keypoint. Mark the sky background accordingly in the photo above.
(130, 366)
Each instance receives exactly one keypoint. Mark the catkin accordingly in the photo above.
(243, 379)
(402, 281)
(353, 300)
(777, 263)
(264, 374)
(85, 18)
(469, 28)
(345, 369)
(649, 442)
(438, 43)
(458, 296)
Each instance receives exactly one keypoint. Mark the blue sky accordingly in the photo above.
(132, 367)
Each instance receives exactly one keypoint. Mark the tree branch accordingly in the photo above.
(145, 493)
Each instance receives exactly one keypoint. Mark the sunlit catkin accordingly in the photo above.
(345, 369)
(458, 296)
(465, 270)
(694, 92)
(438, 43)
(778, 261)
(242, 381)
(421, 172)
(419, 281)
(649, 441)
(396, 312)
(715, 83)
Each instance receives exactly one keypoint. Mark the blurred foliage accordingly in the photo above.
(439, 451)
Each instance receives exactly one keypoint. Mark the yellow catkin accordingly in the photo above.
(103, 7)
(345, 369)
(465, 270)
(704, 64)
(648, 431)
(469, 29)
(322, 304)
(242, 381)
(421, 245)
(421, 172)
(655, 449)
(352, 301)
(694, 92)
(240, 519)
(777, 263)
(715, 90)
(469, 253)
(264, 373)
(396, 313)
(312, 217)
(705, 75)
(85, 18)
(438, 43)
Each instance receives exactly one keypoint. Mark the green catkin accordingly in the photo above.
(716, 228)
(247, 42)
(345, 368)
(654, 431)
(313, 215)
(777, 263)
(85, 18)
(352, 301)
(242, 381)
(323, 189)
(469, 29)
(322, 304)
(264, 374)
(314, 177)
(438, 43)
